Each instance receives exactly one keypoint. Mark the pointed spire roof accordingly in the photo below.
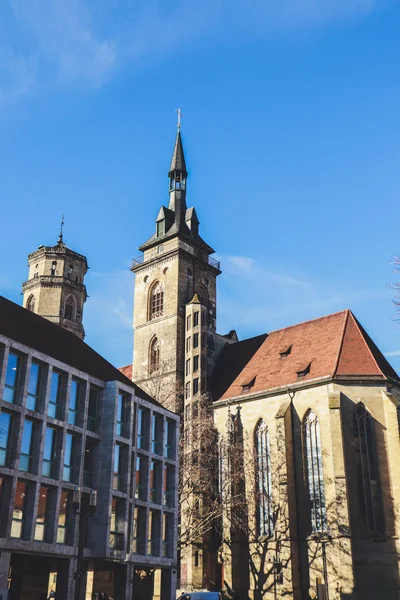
(178, 164)
(195, 299)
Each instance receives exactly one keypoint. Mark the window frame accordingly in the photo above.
(315, 474)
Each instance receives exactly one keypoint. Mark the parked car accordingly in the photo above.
(200, 596)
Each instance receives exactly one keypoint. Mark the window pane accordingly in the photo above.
(55, 394)
(5, 428)
(49, 452)
(12, 377)
(35, 378)
(92, 409)
(19, 510)
(74, 402)
(41, 514)
(68, 456)
(25, 458)
(63, 518)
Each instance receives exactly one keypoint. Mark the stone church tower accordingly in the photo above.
(175, 265)
(55, 287)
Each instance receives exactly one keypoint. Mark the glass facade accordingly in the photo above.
(68, 471)
(53, 410)
(40, 527)
(122, 424)
(74, 400)
(117, 479)
(116, 536)
(93, 409)
(25, 461)
(13, 373)
(5, 435)
(156, 434)
(18, 516)
(142, 428)
(169, 438)
(50, 455)
(62, 523)
(49, 452)
(35, 381)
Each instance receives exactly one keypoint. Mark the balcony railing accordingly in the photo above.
(213, 262)
(140, 260)
(137, 261)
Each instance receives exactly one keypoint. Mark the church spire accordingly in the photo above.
(178, 164)
(177, 180)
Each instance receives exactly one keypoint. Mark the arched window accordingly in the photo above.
(70, 308)
(202, 293)
(367, 469)
(316, 489)
(264, 517)
(154, 362)
(53, 268)
(30, 305)
(156, 301)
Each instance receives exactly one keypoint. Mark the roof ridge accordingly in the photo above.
(309, 321)
(341, 341)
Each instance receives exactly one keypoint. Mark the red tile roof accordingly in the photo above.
(334, 346)
(127, 371)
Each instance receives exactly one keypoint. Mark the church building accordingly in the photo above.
(305, 419)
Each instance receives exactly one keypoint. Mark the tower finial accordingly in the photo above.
(60, 237)
(178, 110)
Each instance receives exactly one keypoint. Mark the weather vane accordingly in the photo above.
(179, 117)
(60, 237)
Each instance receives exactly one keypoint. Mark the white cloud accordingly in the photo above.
(109, 314)
(51, 43)
(254, 297)
(393, 353)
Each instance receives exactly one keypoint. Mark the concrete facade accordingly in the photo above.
(107, 441)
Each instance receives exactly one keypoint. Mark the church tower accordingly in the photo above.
(175, 265)
(55, 287)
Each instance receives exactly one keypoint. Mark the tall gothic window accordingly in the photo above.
(154, 356)
(30, 305)
(315, 474)
(70, 308)
(265, 524)
(156, 301)
(367, 470)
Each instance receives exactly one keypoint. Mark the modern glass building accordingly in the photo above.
(88, 471)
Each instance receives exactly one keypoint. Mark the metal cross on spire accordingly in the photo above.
(178, 110)
(60, 237)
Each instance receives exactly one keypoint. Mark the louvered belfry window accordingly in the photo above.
(157, 301)
(316, 489)
(265, 524)
(367, 470)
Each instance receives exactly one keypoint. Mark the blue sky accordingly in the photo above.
(291, 132)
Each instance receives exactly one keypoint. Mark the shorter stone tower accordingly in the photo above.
(55, 287)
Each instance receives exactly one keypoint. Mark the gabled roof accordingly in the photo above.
(25, 327)
(232, 359)
(331, 347)
(191, 215)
